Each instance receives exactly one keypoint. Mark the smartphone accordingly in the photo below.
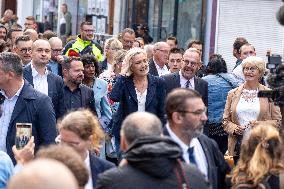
(23, 134)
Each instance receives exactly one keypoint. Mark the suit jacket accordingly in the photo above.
(87, 95)
(200, 85)
(98, 166)
(217, 166)
(269, 113)
(152, 68)
(124, 92)
(36, 108)
(55, 89)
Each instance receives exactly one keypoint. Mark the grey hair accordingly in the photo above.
(11, 62)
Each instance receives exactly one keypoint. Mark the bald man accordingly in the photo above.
(158, 64)
(56, 55)
(150, 159)
(42, 174)
(43, 80)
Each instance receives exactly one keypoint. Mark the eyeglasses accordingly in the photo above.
(57, 50)
(197, 112)
(26, 50)
(252, 69)
(128, 41)
(175, 60)
(192, 64)
(89, 31)
(163, 51)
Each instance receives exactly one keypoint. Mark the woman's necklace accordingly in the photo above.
(249, 95)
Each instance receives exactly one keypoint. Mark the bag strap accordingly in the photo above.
(226, 80)
(181, 176)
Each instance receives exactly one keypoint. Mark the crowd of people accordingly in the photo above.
(133, 113)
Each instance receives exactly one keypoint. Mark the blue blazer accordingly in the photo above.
(217, 166)
(98, 166)
(55, 89)
(36, 108)
(200, 85)
(124, 92)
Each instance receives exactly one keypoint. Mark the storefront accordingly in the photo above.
(184, 19)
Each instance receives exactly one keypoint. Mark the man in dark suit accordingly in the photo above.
(186, 115)
(20, 103)
(150, 159)
(76, 95)
(43, 80)
(158, 64)
(186, 78)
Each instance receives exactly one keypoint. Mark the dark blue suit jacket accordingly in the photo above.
(200, 85)
(98, 166)
(36, 108)
(55, 90)
(217, 166)
(152, 68)
(124, 92)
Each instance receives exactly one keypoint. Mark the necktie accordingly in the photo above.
(188, 85)
(191, 155)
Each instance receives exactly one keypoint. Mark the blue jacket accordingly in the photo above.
(36, 108)
(101, 102)
(124, 92)
(55, 89)
(218, 89)
(98, 166)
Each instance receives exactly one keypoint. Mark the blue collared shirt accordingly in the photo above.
(53, 66)
(7, 108)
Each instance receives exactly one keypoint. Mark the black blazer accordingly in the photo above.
(124, 92)
(36, 108)
(98, 166)
(217, 166)
(55, 89)
(200, 85)
(152, 68)
(88, 100)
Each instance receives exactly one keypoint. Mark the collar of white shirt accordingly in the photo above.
(183, 81)
(161, 71)
(35, 73)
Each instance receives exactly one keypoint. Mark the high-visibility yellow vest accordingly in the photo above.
(79, 45)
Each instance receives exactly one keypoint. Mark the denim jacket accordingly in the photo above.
(218, 89)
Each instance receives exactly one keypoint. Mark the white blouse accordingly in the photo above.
(141, 98)
(248, 108)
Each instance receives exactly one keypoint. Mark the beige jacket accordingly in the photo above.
(269, 113)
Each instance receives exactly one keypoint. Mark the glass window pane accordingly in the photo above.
(189, 21)
(167, 18)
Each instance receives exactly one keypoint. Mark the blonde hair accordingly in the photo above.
(84, 124)
(260, 155)
(112, 43)
(127, 62)
(254, 61)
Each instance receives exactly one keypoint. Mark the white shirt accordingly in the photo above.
(238, 72)
(7, 107)
(183, 81)
(89, 184)
(162, 71)
(40, 81)
(141, 98)
(198, 152)
(248, 108)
